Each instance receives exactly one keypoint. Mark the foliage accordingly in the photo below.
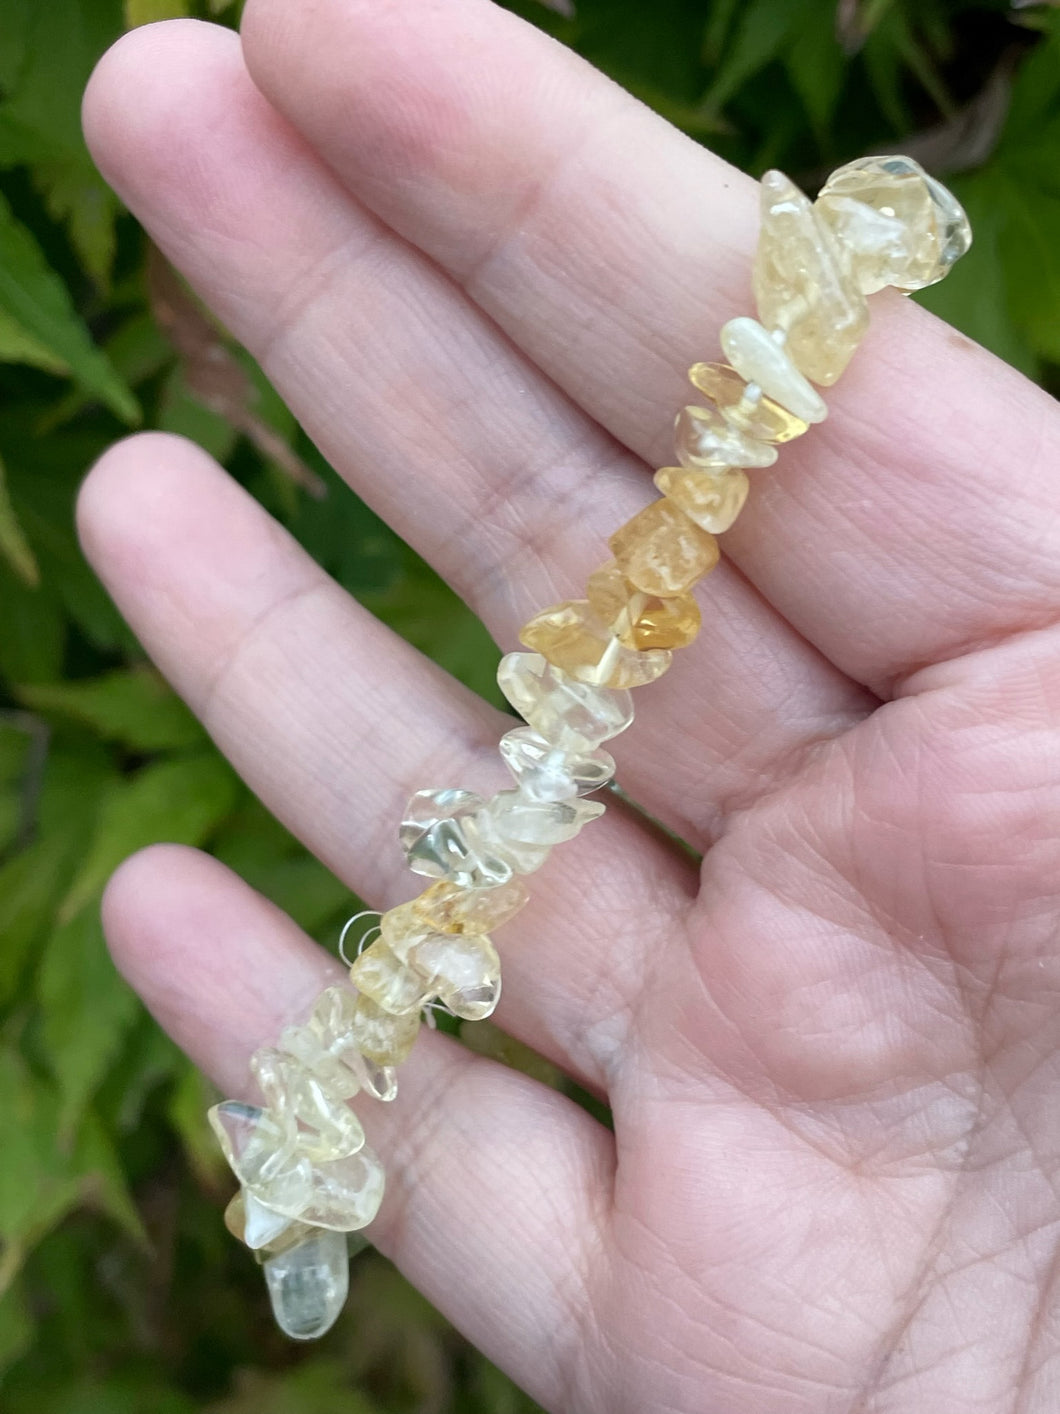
(119, 1290)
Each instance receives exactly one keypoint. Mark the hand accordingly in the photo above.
(478, 272)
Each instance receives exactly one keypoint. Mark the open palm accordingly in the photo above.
(477, 271)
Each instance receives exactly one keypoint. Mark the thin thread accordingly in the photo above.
(365, 913)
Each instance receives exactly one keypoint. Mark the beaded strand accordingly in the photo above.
(307, 1178)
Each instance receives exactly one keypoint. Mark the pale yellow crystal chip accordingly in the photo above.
(641, 620)
(896, 224)
(661, 551)
(759, 417)
(703, 439)
(448, 908)
(327, 1127)
(712, 499)
(465, 973)
(803, 286)
(383, 1038)
(308, 1283)
(570, 715)
(574, 639)
(259, 1228)
(390, 982)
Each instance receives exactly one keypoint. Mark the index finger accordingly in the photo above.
(918, 522)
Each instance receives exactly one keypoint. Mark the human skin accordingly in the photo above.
(477, 271)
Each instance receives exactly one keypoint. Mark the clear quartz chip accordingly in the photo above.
(346, 1193)
(705, 441)
(262, 1152)
(463, 971)
(519, 820)
(308, 1284)
(327, 1127)
(897, 225)
(546, 772)
(262, 1227)
(569, 714)
(438, 836)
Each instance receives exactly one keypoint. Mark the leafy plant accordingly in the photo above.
(119, 1290)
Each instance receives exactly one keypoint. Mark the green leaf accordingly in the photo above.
(762, 35)
(322, 1386)
(60, 42)
(45, 504)
(102, 1182)
(816, 66)
(13, 543)
(146, 12)
(33, 633)
(974, 296)
(86, 1009)
(43, 1176)
(16, 346)
(75, 197)
(29, 886)
(191, 1097)
(16, 1325)
(185, 416)
(181, 801)
(133, 706)
(38, 303)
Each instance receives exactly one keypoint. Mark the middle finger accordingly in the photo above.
(429, 411)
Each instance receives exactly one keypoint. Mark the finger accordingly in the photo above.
(333, 721)
(495, 1184)
(460, 443)
(920, 520)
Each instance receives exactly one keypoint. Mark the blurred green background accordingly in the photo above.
(119, 1287)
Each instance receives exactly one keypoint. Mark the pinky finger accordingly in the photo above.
(497, 1187)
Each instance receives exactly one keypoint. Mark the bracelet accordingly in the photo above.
(307, 1178)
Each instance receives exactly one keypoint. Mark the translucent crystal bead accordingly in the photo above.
(546, 772)
(525, 856)
(760, 357)
(639, 620)
(330, 1129)
(405, 925)
(262, 1152)
(381, 1037)
(713, 499)
(448, 908)
(268, 1159)
(574, 638)
(439, 839)
(703, 439)
(520, 821)
(464, 972)
(323, 1046)
(392, 984)
(381, 1081)
(346, 1193)
(744, 405)
(897, 225)
(304, 1045)
(802, 285)
(661, 551)
(308, 1284)
(569, 714)
(258, 1227)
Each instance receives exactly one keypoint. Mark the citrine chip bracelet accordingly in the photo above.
(307, 1179)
